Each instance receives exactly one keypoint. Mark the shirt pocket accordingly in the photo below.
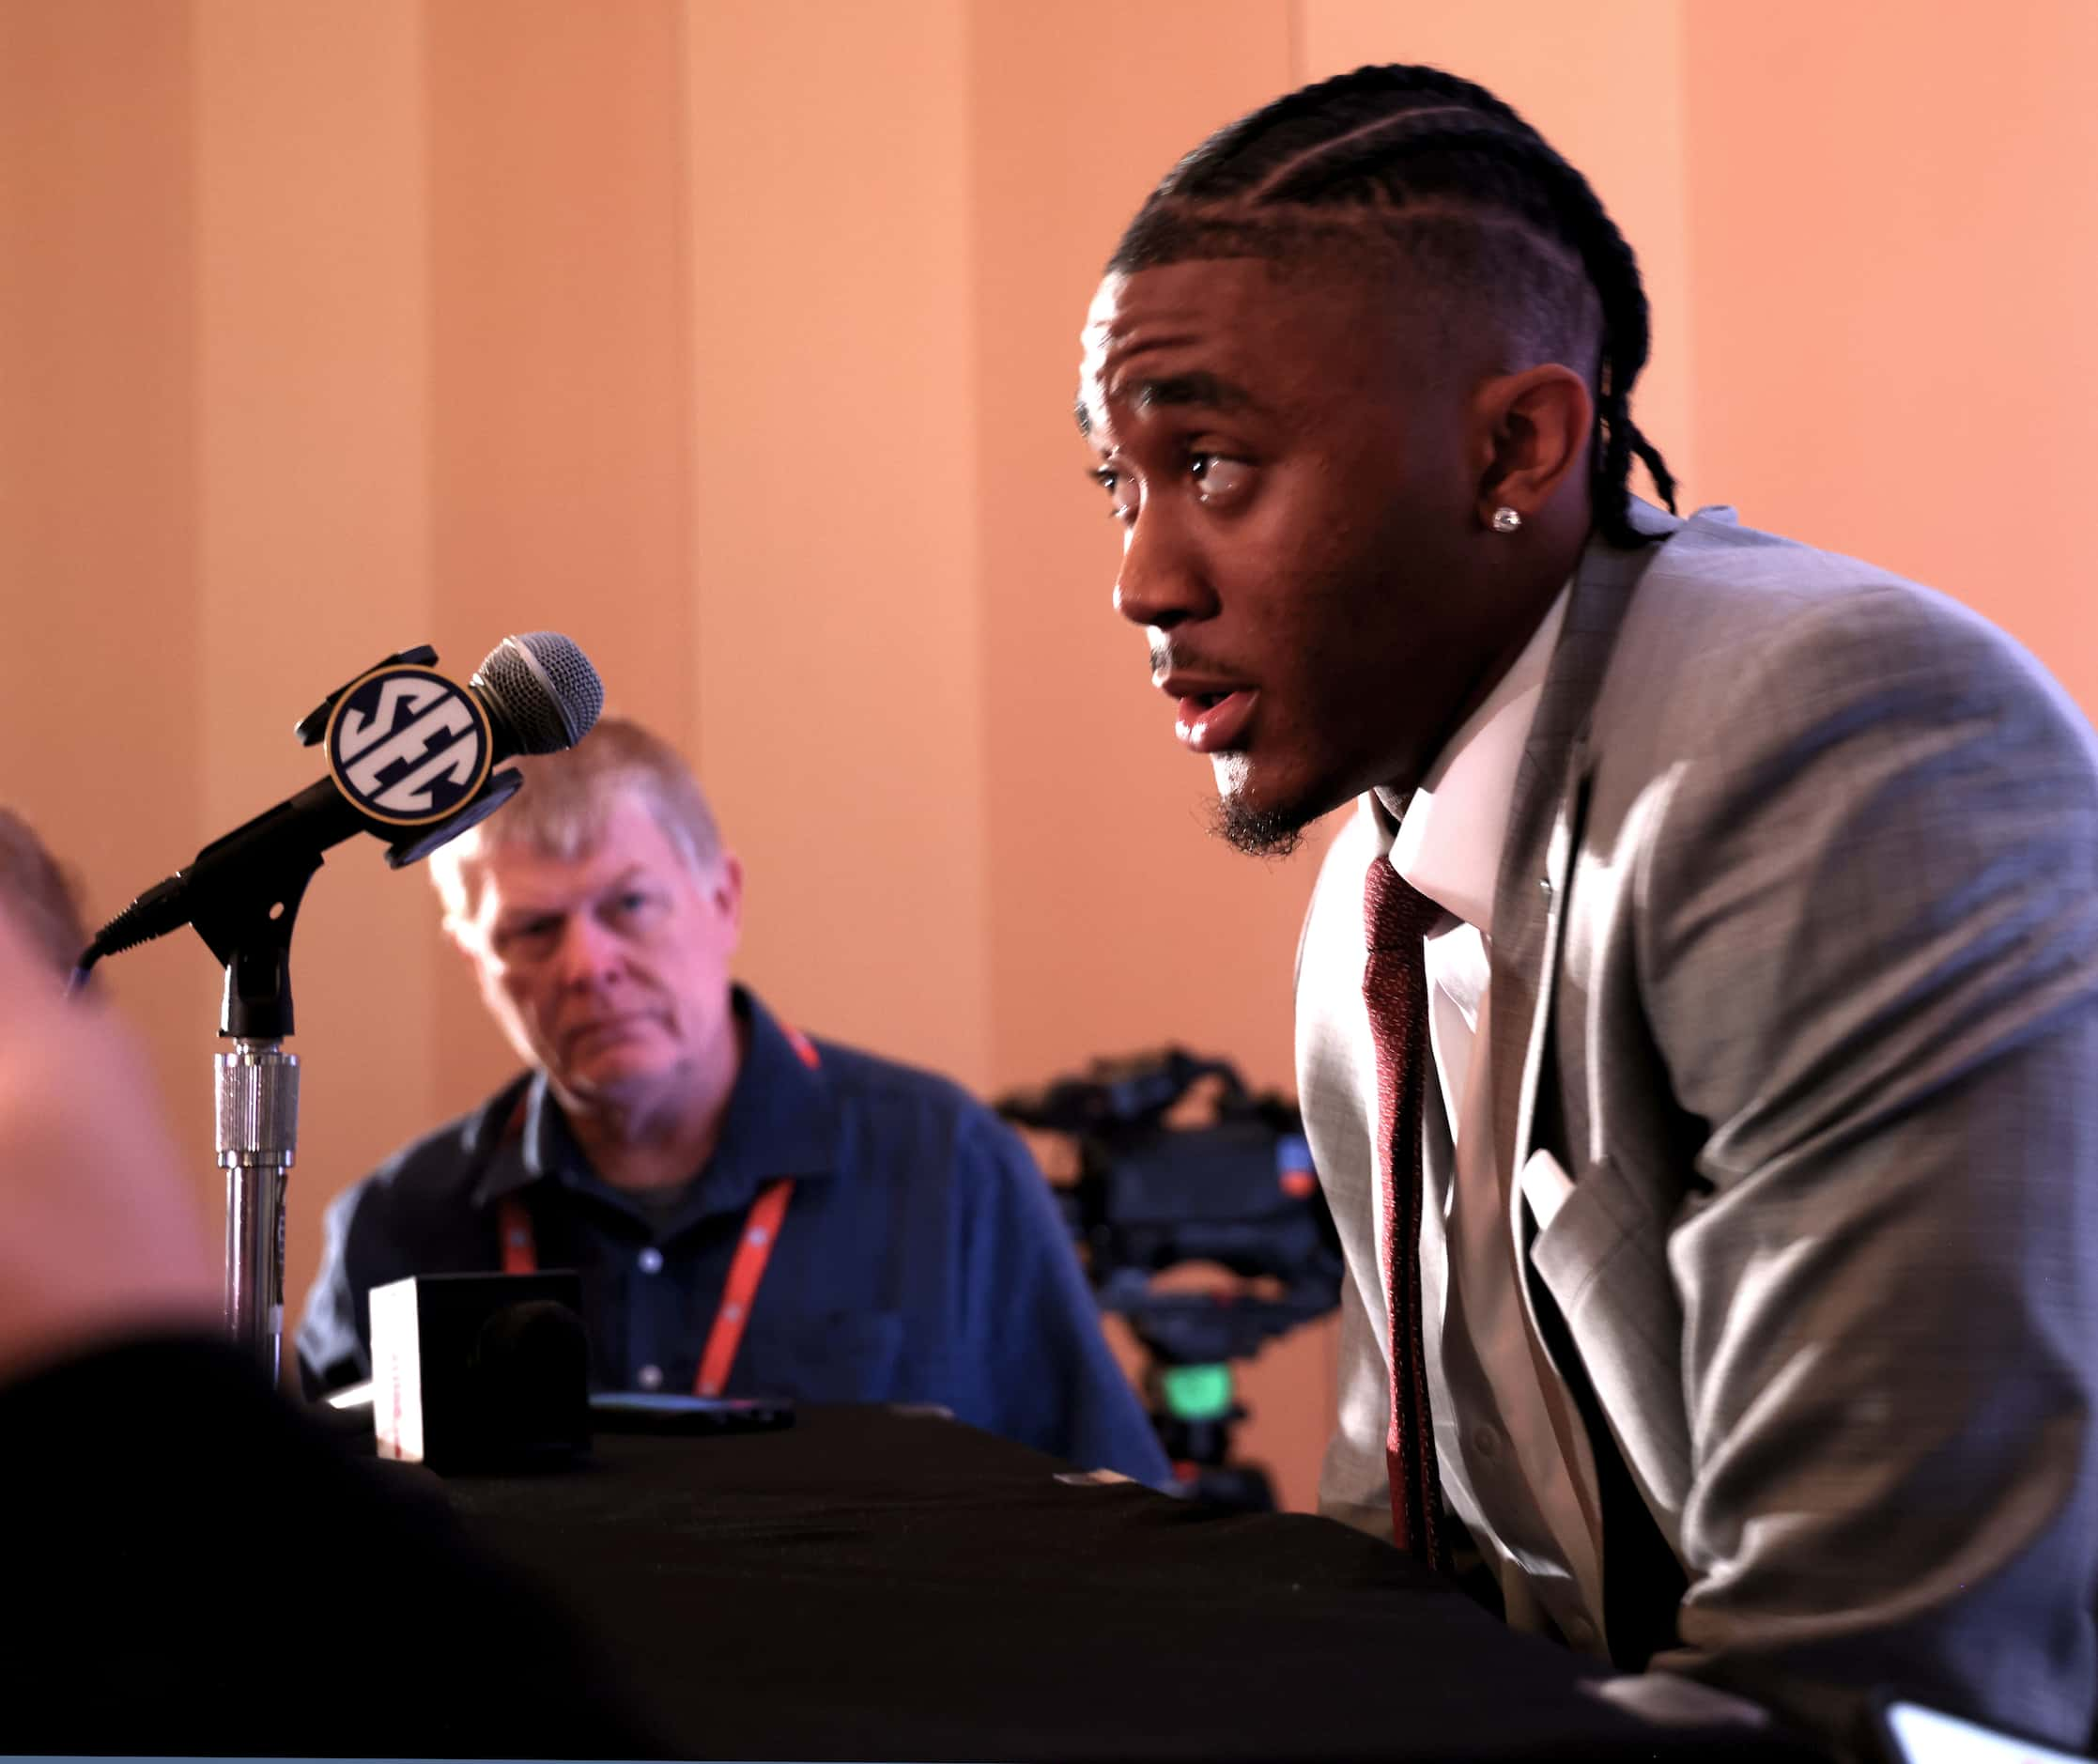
(841, 1357)
(1603, 1260)
(1578, 1229)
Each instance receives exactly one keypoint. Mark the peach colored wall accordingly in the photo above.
(101, 577)
(838, 652)
(1895, 289)
(737, 338)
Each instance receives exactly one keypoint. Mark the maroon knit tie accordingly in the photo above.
(1396, 917)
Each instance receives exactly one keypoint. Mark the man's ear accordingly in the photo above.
(727, 892)
(1533, 432)
(459, 933)
(455, 877)
(461, 923)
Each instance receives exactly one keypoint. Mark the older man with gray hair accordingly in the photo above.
(751, 1211)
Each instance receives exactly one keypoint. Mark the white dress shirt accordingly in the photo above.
(1504, 1426)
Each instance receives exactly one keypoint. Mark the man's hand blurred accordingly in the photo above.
(99, 1236)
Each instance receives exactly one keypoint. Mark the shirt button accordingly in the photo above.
(650, 1377)
(1485, 1441)
(650, 1260)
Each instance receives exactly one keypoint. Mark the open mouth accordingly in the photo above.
(1215, 721)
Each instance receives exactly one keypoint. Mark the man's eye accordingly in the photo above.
(1218, 479)
(533, 938)
(1121, 492)
(633, 905)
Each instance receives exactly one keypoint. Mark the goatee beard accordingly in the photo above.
(1257, 832)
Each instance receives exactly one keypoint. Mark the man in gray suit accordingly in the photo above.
(1741, 1243)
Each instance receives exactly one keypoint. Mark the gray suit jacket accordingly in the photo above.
(1795, 974)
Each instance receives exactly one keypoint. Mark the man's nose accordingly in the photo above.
(588, 954)
(1164, 579)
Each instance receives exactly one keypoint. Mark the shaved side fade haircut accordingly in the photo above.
(1415, 169)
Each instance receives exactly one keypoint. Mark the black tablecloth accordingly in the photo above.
(869, 1584)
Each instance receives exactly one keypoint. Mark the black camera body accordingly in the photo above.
(1237, 1191)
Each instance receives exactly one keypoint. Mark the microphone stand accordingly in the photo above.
(248, 886)
(247, 923)
(257, 1088)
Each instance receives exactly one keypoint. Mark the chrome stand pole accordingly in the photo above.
(257, 1089)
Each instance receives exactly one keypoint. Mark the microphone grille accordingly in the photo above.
(545, 686)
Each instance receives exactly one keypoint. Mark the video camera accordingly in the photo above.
(1237, 1190)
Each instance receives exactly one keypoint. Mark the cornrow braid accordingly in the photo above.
(1418, 158)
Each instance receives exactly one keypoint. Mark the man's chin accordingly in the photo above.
(1263, 822)
(616, 1083)
(1256, 829)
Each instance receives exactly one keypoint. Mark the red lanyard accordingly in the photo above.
(753, 1250)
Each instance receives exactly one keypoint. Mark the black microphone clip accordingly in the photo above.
(313, 724)
(361, 725)
(312, 729)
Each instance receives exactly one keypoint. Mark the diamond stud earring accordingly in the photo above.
(1505, 519)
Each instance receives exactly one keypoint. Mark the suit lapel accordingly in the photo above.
(1537, 855)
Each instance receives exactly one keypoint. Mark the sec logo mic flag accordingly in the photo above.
(408, 747)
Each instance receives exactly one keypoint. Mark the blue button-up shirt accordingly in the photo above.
(921, 1258)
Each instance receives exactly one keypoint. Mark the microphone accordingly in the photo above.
(409, 758)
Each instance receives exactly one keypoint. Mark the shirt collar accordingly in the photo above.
(780, 1121)
(1449, 844)
(505, 1136)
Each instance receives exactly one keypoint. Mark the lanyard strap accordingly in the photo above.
(753, 1250)
(761, 1230)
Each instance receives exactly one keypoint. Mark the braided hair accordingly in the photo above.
(1469, 195)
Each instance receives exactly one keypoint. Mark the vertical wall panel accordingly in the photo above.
(101, 714)
(840, 591)
(314, 514)
(558, 425)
